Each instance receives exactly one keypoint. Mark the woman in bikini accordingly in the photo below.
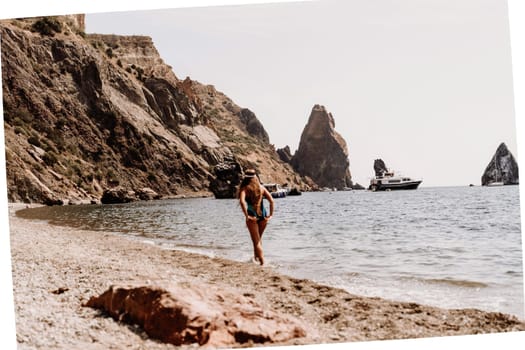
(251, 194)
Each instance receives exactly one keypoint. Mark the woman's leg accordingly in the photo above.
(253, 227)
(262, 227)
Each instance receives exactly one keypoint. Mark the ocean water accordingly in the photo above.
(452, 247)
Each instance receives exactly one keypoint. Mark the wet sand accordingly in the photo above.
(56, 269)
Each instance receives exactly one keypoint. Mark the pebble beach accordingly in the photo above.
(57, 269)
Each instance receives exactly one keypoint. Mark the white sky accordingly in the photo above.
(485, 24)
(426, 85)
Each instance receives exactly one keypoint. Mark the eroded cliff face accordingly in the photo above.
(501, 168)
(83, 113)
(322, 154)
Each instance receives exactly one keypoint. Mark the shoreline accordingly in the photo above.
(81, 263)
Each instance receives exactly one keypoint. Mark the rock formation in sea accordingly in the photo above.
(84, 113)
(501, 168)
(358, 186)
(380, 167)
(322, 154)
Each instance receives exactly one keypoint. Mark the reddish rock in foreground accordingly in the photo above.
(187, 315)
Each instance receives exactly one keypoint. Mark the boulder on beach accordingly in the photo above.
(118, 195)
(147, 194)
(184, 314)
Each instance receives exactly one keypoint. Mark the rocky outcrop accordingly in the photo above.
(322, 154)
(228, 176)
(253, 125)
(118, 195)
(184, 315)
(501, 168)
(136, 54)
(147, 194)
(285, 154)
(89, 112)
(357, 186)
(380, 167)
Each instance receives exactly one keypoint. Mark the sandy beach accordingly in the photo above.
(57, 269)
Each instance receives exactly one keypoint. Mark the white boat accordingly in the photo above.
(388, 181)
(275, 190)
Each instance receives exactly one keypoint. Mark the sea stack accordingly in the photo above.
(322, 154)
(380, 167)
(501, 168)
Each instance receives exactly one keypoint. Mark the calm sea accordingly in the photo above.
(452, 247)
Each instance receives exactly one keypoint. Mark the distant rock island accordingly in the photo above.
(91, 116)
(502, 168)
(322, 154)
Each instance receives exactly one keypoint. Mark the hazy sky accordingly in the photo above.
(424, 85)
(443, 67)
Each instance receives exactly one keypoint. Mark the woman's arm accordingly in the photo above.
(269, 197)
(242, 202)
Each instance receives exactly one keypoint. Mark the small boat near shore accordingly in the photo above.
(388, 181)
(275, 190)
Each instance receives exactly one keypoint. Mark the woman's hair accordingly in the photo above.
(252, 187)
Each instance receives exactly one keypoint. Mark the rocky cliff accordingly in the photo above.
(322, 154)
(84, 113)
(501, 168)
